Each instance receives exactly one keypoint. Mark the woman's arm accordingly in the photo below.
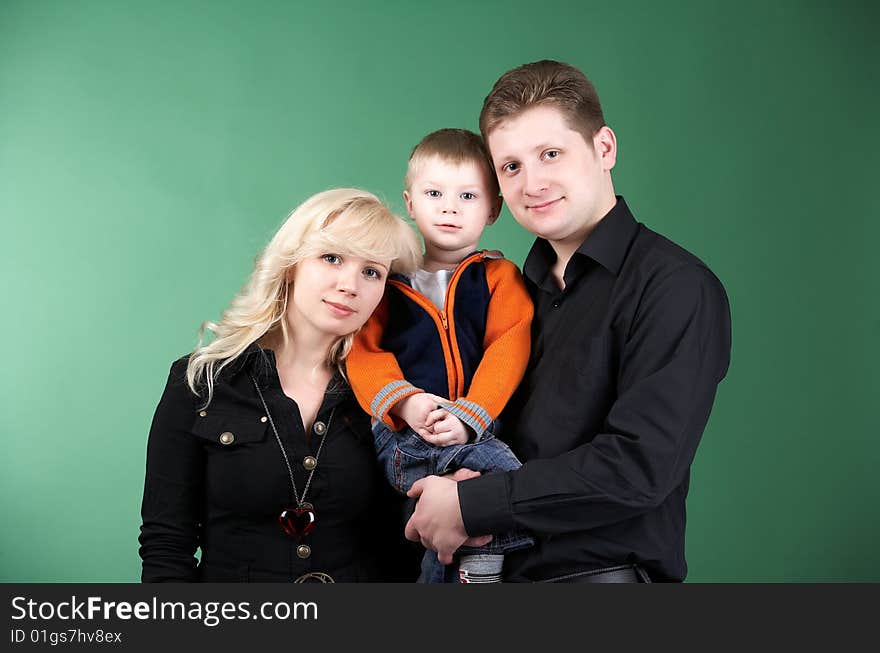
(173, 487)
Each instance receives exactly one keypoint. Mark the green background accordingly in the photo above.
(149, 150)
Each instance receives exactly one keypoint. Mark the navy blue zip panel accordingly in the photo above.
(469, 312)
(412, 336)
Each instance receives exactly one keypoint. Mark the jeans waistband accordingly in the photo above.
(618, 574)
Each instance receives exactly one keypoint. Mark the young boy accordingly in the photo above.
(446, 348)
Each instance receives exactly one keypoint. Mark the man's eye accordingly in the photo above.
(332, 259)
(372, 273)
(468, 196)
(432, 193)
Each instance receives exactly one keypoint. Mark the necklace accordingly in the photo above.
(297, 521)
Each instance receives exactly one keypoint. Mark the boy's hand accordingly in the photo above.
(446, 429)
(414, 410)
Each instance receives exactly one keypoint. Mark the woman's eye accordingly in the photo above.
(332, 259)
(551, 154)
(468, 196)
(432, 193)
(510, 168)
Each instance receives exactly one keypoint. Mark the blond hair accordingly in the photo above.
(344, 221)
(454, 146)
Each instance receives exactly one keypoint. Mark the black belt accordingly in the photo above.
(620, 574)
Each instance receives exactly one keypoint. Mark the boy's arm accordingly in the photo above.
(374, 374)
(506, 348)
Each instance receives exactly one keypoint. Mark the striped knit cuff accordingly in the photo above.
(474, 415)
(388, 396)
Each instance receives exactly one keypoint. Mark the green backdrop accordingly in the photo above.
(149, 150)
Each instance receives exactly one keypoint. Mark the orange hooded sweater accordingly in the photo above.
(474, 352)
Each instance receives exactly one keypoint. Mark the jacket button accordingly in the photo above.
(319, 428)
(263, 419)
(303, 551)
(227, 438)
(310, 462)
(203, 413)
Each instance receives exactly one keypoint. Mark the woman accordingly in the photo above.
(258, 453)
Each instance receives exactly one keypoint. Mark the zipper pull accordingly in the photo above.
(443, 320)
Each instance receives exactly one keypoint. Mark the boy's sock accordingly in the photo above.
(480, 568)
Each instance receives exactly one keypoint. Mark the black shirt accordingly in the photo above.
(624, 367)
(216, 480)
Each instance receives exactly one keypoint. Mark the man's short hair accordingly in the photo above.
(454, 146)
(544, 83)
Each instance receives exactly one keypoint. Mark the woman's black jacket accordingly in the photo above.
(216, 481)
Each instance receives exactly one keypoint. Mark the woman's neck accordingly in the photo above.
(301, 354)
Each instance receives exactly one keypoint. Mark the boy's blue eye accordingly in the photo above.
(432, 193)
(372, 273)
(468, 196)
(332, 259)
(551, 154)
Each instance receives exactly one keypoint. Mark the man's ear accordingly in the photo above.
(496, 210)
(605, 143)
(408, 201)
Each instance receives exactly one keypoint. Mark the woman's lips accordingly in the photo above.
(340, 310)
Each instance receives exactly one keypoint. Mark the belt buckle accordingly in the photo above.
(315, 577)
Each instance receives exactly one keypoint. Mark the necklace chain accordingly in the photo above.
(299, 502)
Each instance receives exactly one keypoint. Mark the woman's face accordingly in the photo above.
(334, 294)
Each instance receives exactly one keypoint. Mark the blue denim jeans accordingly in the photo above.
(406, 458)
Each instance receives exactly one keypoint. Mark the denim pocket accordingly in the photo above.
(408, 469)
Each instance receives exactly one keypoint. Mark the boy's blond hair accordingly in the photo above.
(452, 146)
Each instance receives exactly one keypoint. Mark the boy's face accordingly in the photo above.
(451, 204)
(555, 184)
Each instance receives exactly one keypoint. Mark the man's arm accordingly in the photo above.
(677, 351)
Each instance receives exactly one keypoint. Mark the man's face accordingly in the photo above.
(451, 204)
(556, 184)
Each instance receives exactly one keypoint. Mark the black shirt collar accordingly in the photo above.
(607, 244)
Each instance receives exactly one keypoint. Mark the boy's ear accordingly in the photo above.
(496, 210)
(408, 201)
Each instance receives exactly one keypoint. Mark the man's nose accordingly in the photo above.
(534, 182)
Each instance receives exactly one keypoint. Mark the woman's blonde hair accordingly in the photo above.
(341, 221)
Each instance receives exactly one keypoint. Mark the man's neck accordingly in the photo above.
(565, 249)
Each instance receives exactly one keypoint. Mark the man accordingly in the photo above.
(630, 339)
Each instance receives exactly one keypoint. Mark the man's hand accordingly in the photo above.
(436, 522)
(446, 429)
